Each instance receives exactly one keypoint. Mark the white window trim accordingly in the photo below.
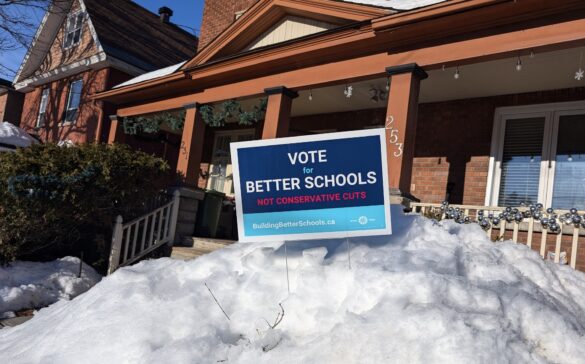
(69, 17)
(65, 121)
(43, 110)
(551, 112)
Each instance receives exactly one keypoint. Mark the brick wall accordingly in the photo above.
(58, 56)
(453, 144)
(84, 129)
(217, 16)
(11, 106)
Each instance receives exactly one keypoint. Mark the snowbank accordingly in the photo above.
(14, 136)
(429, 294)
(25, 285)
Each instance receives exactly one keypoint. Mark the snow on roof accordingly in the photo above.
(397, 4)
(14, 136)
(152, 75)
(430, 293)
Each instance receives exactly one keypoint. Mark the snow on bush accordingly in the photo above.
(25, 285)
(430, 293)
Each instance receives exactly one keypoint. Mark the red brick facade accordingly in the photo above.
(453, 144)
(218, 15)
(11, 106)
(84, 129)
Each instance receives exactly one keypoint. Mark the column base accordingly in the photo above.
(188, 207)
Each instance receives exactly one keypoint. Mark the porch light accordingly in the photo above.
(519, 64)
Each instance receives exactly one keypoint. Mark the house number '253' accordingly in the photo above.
(394, 136)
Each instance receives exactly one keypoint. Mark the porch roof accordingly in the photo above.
(451, 33)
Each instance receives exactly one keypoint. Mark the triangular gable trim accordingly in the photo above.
(55, 19)
(265, 13)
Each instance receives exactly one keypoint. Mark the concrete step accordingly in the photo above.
(194, 247)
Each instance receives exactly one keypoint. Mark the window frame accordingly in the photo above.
(67, 108)
(551, 112)
(45, 94)
(73, 16)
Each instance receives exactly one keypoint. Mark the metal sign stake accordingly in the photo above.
(348, 253)
(286, 262)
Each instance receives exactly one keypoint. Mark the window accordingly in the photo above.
(538, 155)
(41, 118)
(73, 29)
(73, 99)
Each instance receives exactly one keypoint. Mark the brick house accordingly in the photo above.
(87, 46)
(483, 100)
(10, 103)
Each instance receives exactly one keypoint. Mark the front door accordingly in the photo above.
(220, 170)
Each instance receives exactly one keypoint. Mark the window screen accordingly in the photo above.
(521, 159)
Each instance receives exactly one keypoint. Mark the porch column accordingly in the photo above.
(401, 117)
(277, 120)
(191, 149)
(116, 130)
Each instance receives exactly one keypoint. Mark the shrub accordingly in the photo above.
(57, 201)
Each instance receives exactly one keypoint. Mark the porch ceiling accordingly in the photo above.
(544, 71)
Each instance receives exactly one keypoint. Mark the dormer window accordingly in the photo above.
(73, 30)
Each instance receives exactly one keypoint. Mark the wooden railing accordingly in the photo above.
(528, 231)
(135, 239)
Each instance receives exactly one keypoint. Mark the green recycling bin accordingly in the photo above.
(208, 214)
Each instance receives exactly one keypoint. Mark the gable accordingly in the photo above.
(58, 55)
(290, 27)
(267, 21)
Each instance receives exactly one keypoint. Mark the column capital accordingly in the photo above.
(113, 117)
(407, 68)
(193, 105)
(281, 90)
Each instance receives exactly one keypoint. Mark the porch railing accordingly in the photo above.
(528, 231)
(135, 239)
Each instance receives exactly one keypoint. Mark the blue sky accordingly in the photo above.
(186, 12)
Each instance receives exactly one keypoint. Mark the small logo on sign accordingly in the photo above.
(363, 220)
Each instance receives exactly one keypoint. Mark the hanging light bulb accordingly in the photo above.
(456, 75)
(387, 84)
(532, 55)
(519, 64)
(570, 159)
(310, 95)
(443, 68)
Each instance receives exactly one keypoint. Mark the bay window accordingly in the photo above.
(538, 155)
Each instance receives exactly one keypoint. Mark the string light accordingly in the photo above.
(532, 55)
(456, 75)
(310, 95)
(387, 84)
(519, 64)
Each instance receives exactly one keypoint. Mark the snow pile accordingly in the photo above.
(25, 285)
(152, 75)
(14, 136)
(429, 294)
(397, 4)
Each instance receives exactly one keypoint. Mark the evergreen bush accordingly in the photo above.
(57, 201)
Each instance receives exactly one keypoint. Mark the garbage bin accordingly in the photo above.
(208, 214)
